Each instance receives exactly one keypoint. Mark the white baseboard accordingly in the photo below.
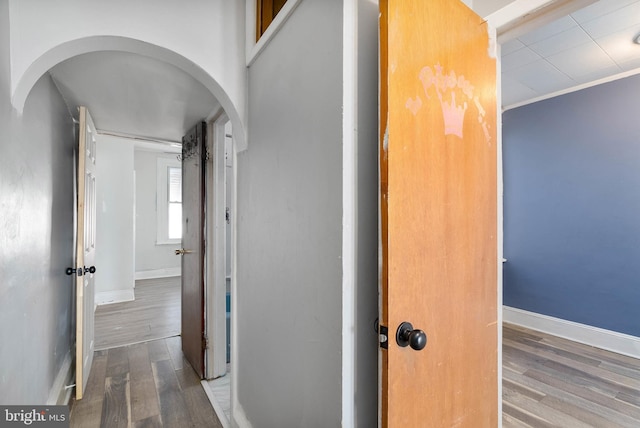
(158, 273)
(58, 394)
(222, 417)
(114, 296)
(239, 418)
(598, 337)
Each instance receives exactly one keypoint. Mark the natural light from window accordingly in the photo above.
(174, 202)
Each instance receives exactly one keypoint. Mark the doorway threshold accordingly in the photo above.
(219, 393)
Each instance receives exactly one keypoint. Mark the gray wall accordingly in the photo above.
(572, 199)
(150, 256)
(289, 231)
(366, 387)
(36, 236)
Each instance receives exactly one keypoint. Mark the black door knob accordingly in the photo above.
(407, 336)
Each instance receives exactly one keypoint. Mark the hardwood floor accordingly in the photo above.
(143, 385)
(553, 382)
(154, 314)
(547, 381)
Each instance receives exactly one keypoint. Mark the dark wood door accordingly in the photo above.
(438, 160)
(192, 252)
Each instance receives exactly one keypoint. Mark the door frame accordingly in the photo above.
(216, 257)
(216, 253)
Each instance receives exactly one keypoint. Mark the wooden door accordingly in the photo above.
(192, 252)
(439, 215)
(85, 249)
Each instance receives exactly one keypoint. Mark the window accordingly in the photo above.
(169, 201)
(174, 200)
(266, 12)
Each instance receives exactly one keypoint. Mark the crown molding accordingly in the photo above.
(573, 89)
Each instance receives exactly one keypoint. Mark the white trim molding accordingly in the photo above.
(254, 48)
(158, 273)
(59, 394)
(216, 283)
(522, 16)
(217, 407)
(349, 209)
(500, 212)
(598, 337)
(576, 88)
(114, 296)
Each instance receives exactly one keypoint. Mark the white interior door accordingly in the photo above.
(85, 250)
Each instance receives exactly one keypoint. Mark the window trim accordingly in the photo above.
(162, 200)
(254, 48)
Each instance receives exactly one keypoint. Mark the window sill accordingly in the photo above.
(170, 242)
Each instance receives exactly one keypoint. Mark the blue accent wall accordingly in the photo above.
(572, 206)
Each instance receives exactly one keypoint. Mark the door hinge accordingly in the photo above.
(205, 341)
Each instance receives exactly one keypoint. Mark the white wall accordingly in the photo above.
(207, 36)
(115, 222)
(149, 255)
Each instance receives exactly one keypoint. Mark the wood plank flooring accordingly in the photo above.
(143, 385)
(553, 382)
(547, 381)
(154, 314)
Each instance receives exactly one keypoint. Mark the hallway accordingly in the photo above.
(154, 314)
(143, 385)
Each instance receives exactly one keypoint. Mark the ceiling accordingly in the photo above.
(590, 44)
(140, 96)
(133, 94)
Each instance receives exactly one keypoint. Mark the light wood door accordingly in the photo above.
(439, 215)
(85, 249)
(193, 199)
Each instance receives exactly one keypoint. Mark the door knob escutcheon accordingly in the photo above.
(407, 336)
